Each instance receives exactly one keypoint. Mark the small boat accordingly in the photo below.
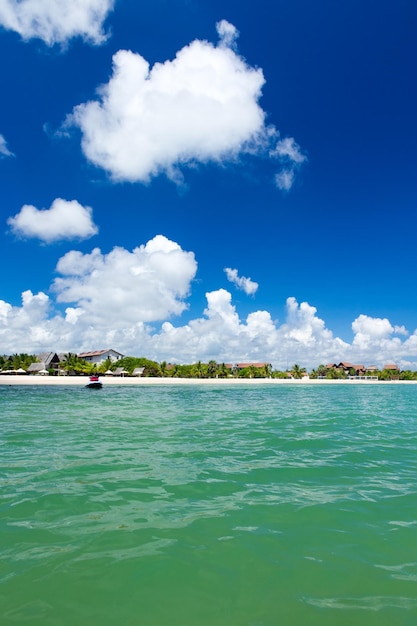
(94, 383)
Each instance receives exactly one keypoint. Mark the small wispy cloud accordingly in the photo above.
(289, 153)
(241, 282)
(4, 150)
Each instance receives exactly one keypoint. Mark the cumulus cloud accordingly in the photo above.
(63, 220)
(145, 285)
(30, 319)
(377, 335)
(200, 107)
(241, 282)
(4, 150)
(374, 328)
(303, 338)
(127, 299)
(56, 21)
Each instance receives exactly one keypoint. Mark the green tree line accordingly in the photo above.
(74, 365)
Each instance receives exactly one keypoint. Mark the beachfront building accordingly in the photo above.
(97, 357)
(390, 371)
(394, 371)
(391, 367)
(44, 362)
(343, 366)
(348, 368)
(254, 369)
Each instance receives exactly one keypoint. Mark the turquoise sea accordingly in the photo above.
(292, 505)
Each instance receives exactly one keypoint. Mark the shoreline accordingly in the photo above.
(81, 381)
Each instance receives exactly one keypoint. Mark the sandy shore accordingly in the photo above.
(80, 381)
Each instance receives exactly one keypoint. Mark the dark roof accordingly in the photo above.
(36, 367)
(47, 358)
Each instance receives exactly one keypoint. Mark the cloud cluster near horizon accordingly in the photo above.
(62, 221)
(56, 21)
(127, 299)
(200, 107)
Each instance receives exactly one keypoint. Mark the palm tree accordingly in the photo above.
(73, 363)
(322, 371)
(106, 365)
(211, 368)
(198, 370)
(266, 370)
(333, 373)
(297, 371)
(223, 371)
(15, 359)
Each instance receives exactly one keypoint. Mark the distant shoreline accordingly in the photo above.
(80, 381)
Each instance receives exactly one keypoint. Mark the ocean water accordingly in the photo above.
(209, 506)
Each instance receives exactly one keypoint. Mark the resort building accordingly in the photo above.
(45, 362)
(392, 367)
(348, 368)
(99, 356)
(242, 366)
(394, 370)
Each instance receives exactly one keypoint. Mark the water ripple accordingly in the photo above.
(270, 503)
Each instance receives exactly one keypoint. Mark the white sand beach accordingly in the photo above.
(22, 379)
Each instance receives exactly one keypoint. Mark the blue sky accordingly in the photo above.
(210, 180)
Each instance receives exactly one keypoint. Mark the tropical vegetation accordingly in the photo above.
(16, 361)
(72, 364)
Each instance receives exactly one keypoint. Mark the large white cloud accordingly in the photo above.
(63, 220)
(125, 299)
(202, 106)
(145, 285)
(56, 21)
